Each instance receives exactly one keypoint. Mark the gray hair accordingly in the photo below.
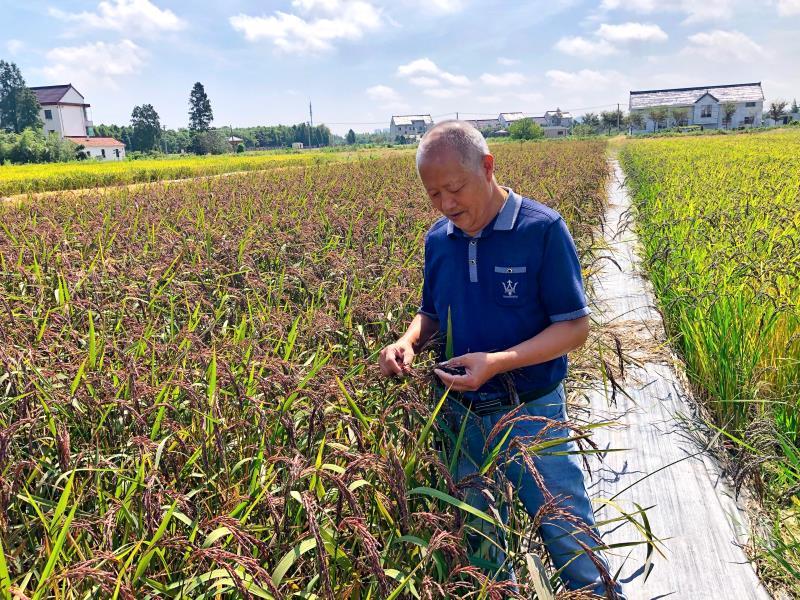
(460, 136)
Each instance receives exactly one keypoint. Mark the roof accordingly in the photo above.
(233, 138)
(94, 142)
(737, 92)
(408, 119)
(513, 116)
(564, 114)
(51, 94)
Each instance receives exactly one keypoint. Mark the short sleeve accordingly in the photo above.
(560, 279)
(427, 306)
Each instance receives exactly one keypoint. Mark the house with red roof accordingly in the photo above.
(65, 111)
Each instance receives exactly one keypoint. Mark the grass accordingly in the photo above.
(190, 404)
(719, 220)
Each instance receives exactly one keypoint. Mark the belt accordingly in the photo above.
(485, 403)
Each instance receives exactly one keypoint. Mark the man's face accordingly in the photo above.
(461, 194)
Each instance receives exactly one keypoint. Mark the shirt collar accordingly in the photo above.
(503, 221)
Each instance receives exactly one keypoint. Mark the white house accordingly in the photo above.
(703, 106)
(65, 111)
(409, 126)
(102, 148)
(484, 124)
(507, 119)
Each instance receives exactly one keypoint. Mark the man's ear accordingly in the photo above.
(488, 166)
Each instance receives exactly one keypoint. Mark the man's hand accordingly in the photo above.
(479, 366)
(396, 359)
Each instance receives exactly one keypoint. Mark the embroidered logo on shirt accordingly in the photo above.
(509, 289)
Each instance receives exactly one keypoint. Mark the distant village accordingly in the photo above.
(64, 111)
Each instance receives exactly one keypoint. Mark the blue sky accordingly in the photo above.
(360, 61)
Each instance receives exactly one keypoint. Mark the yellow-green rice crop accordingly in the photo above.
(719, 218)
(18, 179)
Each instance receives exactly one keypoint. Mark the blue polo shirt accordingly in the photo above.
(501, 287)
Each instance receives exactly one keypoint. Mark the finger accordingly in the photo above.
(391, 364)
(446, 378)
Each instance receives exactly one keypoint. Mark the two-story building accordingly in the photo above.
(410, 127)
(714, 107)
(65, 112)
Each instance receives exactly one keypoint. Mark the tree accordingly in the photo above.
(351, 137)
(525, 129)
(777, 108)
(591, 119)
(680, 116)
(146, 128)
(209, 142)
(19, 108)
(794, 109)
(657, 114)
(637, 120)
(200, 114)
(728, 110)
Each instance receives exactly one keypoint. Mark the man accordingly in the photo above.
(503, 270)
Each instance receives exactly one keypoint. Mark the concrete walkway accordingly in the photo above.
(694, 509)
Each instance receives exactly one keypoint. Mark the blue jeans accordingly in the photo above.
(561, 475)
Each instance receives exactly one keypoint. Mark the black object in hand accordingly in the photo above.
(452, 370)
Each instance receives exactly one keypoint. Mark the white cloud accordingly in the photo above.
(508, 62)
(97, 64)
(585, 79)
(581, 47)
(443, 6)
(503, 79)
(326, 22)
(631, 32)
(131, 17)
(425, 82)
(423, 72)
(421, 66)
(489, 99)
(14, 46)
(787, 8)
(723, 46)
(694, 11)
(386, 97)
(382, 93)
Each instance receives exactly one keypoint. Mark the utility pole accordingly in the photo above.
(311, 122)
(456, 115)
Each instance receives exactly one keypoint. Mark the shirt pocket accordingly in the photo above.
(510, 285)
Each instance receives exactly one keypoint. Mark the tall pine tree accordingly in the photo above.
(19, 108)
(200, 115)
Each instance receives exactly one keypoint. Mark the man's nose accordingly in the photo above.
(448, 202)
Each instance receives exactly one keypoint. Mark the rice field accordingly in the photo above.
(190, 405)
(719, 219)
(22, 179)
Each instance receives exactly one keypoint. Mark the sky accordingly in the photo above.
(360, 61)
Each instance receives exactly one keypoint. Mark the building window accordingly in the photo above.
(116, 152)
(750, 104)
(749, 120)
(103, 152)
(48, 114)
(705, 112)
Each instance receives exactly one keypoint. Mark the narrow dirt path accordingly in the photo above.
(694, 510)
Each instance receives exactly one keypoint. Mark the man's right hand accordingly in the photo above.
(396, 359)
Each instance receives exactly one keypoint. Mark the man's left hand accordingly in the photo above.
(479, 369)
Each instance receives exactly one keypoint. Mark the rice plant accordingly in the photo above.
(719, 219)
(190, 405)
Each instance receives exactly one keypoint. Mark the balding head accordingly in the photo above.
(459, 137)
